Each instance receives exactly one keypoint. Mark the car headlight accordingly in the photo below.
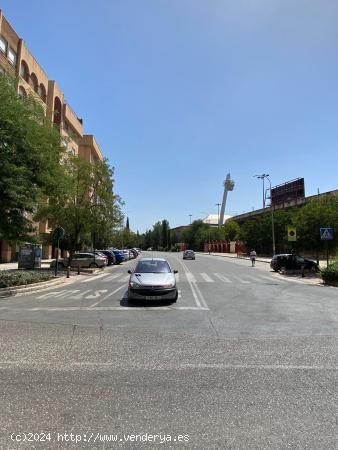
(169, 285)
(132, 284)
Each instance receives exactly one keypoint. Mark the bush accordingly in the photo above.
(10, 278)
(330, 273)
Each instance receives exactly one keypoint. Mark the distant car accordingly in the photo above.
(119, 256)
(189, 254)
(152, 279)
(290, 261)
(110, 256)
(81, 260)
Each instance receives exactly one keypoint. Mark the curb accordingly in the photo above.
(13, 290)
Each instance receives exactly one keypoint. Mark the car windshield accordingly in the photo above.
(152, 266)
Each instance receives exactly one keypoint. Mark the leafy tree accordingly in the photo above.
(319, 213)
(30, 151)
(165, 233)
(84, 204)
(231, 230)
(196, 234)
(127, 224)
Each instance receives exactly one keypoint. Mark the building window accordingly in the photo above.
(24, 72)
(3, 44)
(11, 56)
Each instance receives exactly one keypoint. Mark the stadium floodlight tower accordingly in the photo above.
(228, 186)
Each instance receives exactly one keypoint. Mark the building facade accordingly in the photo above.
(17, 60)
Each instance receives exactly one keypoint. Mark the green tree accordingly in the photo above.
(319, 213)
(84, 204)
(30, 151)
(231, 230)
(196, 234)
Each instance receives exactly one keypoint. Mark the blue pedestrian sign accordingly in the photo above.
(326, 234)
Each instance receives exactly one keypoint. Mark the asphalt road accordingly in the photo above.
(246, 359)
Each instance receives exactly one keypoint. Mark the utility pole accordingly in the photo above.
(262, 177)
(190, 215)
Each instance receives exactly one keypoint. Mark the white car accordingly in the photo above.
(152, 279)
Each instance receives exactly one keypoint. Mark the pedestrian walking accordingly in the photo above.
(253, 255)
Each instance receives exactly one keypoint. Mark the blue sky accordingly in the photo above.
(180, 92)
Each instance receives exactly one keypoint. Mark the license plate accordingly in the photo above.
(153, 297)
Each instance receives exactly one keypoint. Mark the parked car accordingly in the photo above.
(119, 256)
(110, 256)
(152, 279)
(134, 252)
(128, 254)
(189, 254)
(81, 260)
(290, 261)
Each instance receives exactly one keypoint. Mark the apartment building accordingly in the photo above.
(17, 60)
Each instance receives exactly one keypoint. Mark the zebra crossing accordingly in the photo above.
(201, 277)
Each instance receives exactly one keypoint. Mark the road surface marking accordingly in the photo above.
(107, 296)
(207, 278)
(222, 277)
(96, 294)
(82, 294)
(68, 293)
(241, 280)
(49, 294)
(197, 294)
(103, 308)
(112, 277)
(96, 277)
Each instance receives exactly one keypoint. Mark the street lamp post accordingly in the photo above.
(190, 215)
(272, 220)
(262, 177)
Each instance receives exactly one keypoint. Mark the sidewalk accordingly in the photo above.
(322, 263)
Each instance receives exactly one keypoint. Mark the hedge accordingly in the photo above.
(10, 278)
(330, 273)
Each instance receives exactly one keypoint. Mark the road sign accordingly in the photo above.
(292, 233)
(326, 234)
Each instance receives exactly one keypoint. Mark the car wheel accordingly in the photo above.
(93, 265)
(176, 297)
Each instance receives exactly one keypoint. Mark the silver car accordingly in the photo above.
(189, 254)
(82, 260)
(152, 279)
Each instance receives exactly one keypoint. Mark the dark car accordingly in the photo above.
(288, 261)
(119, 256)
(189, 254)
(110, 256)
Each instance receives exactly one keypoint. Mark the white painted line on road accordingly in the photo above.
(207, 278)
(222, 277)
(50, 294)
(82, 294)
(271, 278)
(190, 277)
(95, 277)
(103, 308)
(241, 280)
(112, 277)
(107, 296)
(97, 294)
(197, 294)
(180, 366)
(68, 293)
